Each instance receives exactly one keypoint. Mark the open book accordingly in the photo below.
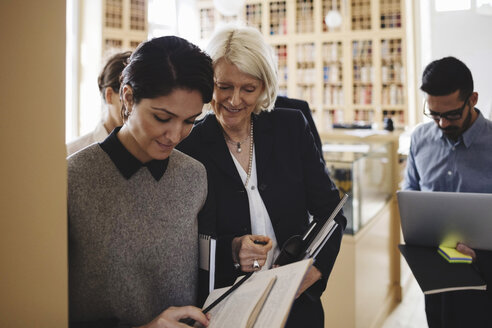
(264, 300)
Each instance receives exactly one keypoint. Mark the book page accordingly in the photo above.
(241, 307)
(277, 306)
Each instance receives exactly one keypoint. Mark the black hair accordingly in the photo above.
(446, 75)
(160, 65)
(110, 74)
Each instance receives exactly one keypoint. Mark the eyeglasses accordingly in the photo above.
(450, 115)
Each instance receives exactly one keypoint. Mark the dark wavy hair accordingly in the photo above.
(160, 65)
(446, 75)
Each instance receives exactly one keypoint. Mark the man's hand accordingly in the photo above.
(462, 248)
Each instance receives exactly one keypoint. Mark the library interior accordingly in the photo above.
(357, 63)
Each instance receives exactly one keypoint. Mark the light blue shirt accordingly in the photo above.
(436, 163)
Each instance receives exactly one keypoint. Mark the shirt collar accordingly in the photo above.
(128, 164)
(475, 130)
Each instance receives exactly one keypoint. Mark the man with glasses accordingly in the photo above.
(453, 153)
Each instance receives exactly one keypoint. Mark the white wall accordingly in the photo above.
(466, 35)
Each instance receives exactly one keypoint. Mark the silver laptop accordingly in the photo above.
(434, 218)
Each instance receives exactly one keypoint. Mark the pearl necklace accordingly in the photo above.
(250, 165)
(236, 143)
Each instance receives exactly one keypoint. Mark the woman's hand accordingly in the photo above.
(311, 277)
(245, 251)
(171, 316)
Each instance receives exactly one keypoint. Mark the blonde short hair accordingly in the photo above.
(246, 48)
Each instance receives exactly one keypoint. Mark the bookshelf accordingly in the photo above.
(352, 72)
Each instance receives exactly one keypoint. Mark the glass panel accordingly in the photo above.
(332, 53)
(390, 13)
(137, 15)
(360, 170)
(283, 71)
(207, 23)
(451, 5)
(304, 16)
(278, 18)
(306, 72)
(253, 15)
(331, 5)
(361, 14)
(114, 14)
(363, 72)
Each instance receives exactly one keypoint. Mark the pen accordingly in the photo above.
(259, 242)
(191, 322)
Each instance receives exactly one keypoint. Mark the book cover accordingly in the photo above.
(436, 275)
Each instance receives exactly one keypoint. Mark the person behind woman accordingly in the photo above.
(109, 87)
(133, 200)
(266, 172)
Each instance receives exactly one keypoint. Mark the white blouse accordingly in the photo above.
(260, 220)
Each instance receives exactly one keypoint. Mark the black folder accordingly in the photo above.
(436, 275)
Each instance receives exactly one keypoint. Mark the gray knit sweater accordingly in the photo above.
(133, 244)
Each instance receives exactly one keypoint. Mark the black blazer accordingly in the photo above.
(303, 106)
(292, 180)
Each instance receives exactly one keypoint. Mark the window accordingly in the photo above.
(162, 18)
(452, 5)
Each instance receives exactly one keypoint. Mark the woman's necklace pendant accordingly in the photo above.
(239, 147)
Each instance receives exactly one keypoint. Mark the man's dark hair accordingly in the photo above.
(110, 75)
(160, 65)
(446, 75)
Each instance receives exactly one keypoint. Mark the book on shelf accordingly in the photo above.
(434, 274)
(264, 300)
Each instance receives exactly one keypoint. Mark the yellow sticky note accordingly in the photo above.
(453, 256)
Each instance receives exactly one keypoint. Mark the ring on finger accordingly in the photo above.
(256, 265)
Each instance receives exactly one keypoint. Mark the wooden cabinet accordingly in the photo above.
(365, 284)
(353, 72)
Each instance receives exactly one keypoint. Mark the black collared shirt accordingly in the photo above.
(126, 163)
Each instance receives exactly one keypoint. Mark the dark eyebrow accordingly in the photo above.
(447, 112)
(165, 110)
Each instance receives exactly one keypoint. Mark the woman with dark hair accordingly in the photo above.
(109, 87)
(133, 199)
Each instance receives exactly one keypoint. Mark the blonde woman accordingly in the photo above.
(266, 172)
